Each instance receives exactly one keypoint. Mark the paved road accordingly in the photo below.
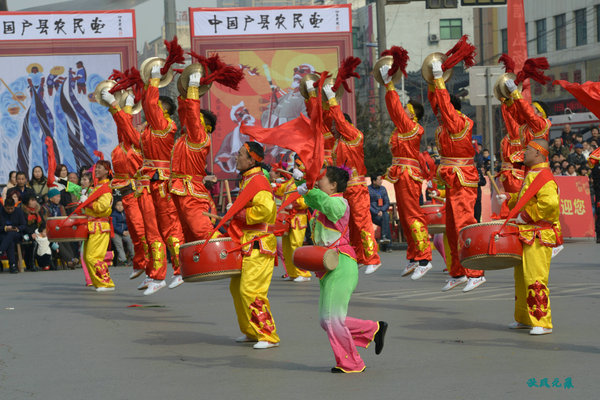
(61, 341)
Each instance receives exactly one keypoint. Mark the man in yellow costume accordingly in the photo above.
(249, 227)
(98, 212)
(538, 208)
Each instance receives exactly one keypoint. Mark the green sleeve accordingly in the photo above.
(333, 207)
(73, 188)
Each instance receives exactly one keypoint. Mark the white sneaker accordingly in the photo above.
(177, 280)
(454, 282)
(245, 339)
(518, 325)
(473, 283)
(144, 284)
(263, 344)
(105, 289)
(302, 279)
(420, 271)
(154, 287)
(539, 330)
(409, 268)
(136, 273)
(556, 250)
(372, 268)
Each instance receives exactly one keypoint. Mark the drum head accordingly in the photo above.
(330, 259)
(211, 276)
(433, 229)
(490, 263)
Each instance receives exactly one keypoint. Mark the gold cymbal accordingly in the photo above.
(107, 84)
(500, 89)
(385, 60)
(302, 88)
(340, 92)
(426, 71)
(146, 70)
(121, 96)
(184, 79)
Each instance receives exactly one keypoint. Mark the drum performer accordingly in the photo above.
(95, 247)
(126, 159)
(329, 227)
(539, 231)
(407, 176)
(348, 151)
(458, 172)
(250, 227)
(188, 165)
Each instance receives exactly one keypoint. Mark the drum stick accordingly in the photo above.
(493, 181)
(211, 215)
(290, 192)
(227, 191)
(438, 198)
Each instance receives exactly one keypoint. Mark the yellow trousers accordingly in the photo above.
(532, 296)
(249, 291)
(94, 252)
(290, 242)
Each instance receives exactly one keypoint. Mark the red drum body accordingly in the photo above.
(279, 228)
(435, 217)
(63, 229)
(212, 263)
(316, 258)
(474, 241)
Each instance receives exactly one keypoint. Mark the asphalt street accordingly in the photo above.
(60, 340)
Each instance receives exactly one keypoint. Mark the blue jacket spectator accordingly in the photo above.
(12, 224)
(380, 204)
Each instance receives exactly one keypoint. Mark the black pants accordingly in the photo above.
(44, 261)
(8, 244)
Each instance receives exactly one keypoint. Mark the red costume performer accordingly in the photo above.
(458, 172)
(511, 175)
(407, 177)
(188, 169)
(157, 143)
(126, 159)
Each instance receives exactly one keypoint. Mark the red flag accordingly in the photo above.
(517, 37)
(51, 160)
(587, 94)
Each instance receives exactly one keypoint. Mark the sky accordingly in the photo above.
(148, 15)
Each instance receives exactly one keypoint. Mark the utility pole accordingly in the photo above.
(3, 5)
(381, 46)
(170, 19)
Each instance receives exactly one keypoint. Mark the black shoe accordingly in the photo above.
(380, 336)
(13, 269)
(337, 370)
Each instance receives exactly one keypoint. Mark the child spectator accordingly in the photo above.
(43, 254)
(53, 208)
(121, 234)
(85, 182)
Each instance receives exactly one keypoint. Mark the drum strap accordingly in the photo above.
(540, 180)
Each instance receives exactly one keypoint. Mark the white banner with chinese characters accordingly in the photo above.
(256, 21)
(67, 25)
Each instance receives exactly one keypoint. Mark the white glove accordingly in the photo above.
(303, 189)
(328, 89)
(273, 185)
(130, 100)
(436, 68)
(384, 74)
(195, 79)
(310, 85)
(228, 206)
(501, 198)
(519, 220)
(280, 180)
(297, 174)
(107, 96)
(155, 73)
(510, 85)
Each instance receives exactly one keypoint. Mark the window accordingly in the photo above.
(504, 39)
(450, 28)
(560, 28)
(540, 36)
(598, 23)
(580, 27)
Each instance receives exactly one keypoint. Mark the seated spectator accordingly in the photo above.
(556, 170)
(555, 158)
(12, 182)
(564, 165)
(566, 135)
(12, 225)
(21, 189)
(43, 253)
(380, 204)
(33, 218)
(53, 208)
(570, 171)
(122, 236)
(595, 135)
(39, 184)
(577, 158)
(85, 182)
(587, 149)
(557, 148)
(578, 139)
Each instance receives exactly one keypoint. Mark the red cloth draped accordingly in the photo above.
(587, 94)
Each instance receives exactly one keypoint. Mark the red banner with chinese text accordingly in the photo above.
(576, 212)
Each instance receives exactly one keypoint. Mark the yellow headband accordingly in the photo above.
(252, 154)
(540, 109)
(411, 110)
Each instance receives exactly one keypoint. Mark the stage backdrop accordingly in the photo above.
(50, 66)
(276, 47)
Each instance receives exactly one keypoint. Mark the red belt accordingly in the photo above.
(191, 178)
(157, 164)
(255, 227)
(456, 161)
(407, 162)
